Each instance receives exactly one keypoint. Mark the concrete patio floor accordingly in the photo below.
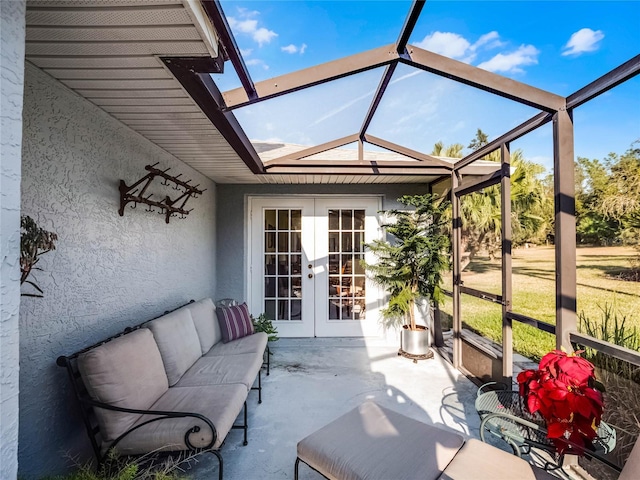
(313, 381)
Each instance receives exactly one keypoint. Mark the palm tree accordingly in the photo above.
(452, 151)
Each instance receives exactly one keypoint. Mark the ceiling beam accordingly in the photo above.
(358, 170)
(407, 152)
(307, 152)
(615, 77)
(202, 89)
(409, 24)
(326, 72)
(530, 125)
(483, 79)
(214, 11)
(338, 165)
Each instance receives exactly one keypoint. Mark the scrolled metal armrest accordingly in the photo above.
(160, 415)
(482, 388)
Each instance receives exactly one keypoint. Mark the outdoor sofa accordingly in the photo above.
(171, 384)
(371, 442)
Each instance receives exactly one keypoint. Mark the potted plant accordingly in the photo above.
(410, 268)
(565, 392)
(34, 241)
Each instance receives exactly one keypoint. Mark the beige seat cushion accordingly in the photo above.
(481, 460)
(221, 404)
(372, 442)
(255, 343)
(204, 318)
(232, 369)
(125, 372)
(631, 470)
(177, 341)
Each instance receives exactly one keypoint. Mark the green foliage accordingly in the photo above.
(411, 267)
(611, 327)
(146, 467)
(264, 324)
(34, 241)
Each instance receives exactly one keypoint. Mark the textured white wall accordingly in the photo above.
(12, 31)
(107, 271)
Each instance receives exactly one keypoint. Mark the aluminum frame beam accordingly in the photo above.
(483, 79)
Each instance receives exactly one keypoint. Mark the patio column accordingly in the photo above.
(565, 227)
(456, 234)
(505, 201)
(12, 26)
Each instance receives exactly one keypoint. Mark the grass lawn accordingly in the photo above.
(534, 292)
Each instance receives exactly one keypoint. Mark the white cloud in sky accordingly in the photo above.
(291, 48)
(582, 41)
(454, 45)
(512, 62)
(245, 52)
(448, 44)
(247, 24)
(257, 62)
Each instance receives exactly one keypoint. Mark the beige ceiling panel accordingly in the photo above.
(112, 49)
(112, 34)
(117, 16)
(106, 93)
(103, 102)
(187, 123)
(120, 84)
(115, 109)
(109, 73)
(96, 62)
(103, 3)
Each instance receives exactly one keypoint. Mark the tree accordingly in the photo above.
(452, 151)
(34, 241)
(480, 140)
(411, 267)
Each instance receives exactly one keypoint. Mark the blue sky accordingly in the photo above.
(556, 46)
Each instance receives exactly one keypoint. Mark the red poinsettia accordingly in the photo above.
(565, 392)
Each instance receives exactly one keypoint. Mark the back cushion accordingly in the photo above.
(177, 341)
(204, 318)
(235, 322)
(125, 372)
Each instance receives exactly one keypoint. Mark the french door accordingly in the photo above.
(305, 266)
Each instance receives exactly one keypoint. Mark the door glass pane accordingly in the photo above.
(283, 280)
(346, 275)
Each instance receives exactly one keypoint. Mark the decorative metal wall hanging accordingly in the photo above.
(167, 207)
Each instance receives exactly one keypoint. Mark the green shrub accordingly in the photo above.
(264, 324)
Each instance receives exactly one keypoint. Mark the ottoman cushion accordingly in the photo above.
(371, 442)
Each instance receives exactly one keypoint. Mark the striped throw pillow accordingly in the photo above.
(235, 322)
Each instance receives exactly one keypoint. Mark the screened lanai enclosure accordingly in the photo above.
(366, 154)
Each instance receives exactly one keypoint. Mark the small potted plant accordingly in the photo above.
(410, 268)
(34, 242)
(565, 392)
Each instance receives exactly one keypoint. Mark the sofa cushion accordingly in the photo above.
(177, 341)
(255, 343)
(233, 369)
(204, 318)
(221, 404)
(373, 442)
(235, 322)
(476, 456)
(125, 372)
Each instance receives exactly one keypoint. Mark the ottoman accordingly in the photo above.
(373, 443)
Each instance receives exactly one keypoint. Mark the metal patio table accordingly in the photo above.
(503, 414)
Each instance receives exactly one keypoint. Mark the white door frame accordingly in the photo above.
(315, 307)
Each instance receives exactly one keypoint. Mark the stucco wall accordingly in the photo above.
(107, 271)
(12, 28)
(232, 217)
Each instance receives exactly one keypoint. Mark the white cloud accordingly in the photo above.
(448, 44)
(511, 62)
(247, 24)
(263, 35)
(245, 52)
(291, 48)
(488, 40)
(582, 41)
(257, 62)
